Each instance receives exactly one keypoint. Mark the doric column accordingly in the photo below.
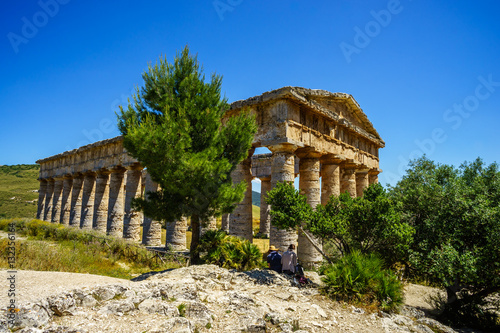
(225, 222)
(309, 185)
(76, 201)
(211, 224)
(265, 208)
(240, 223)
(48, 200)
(361, 182)
(88, 198)
(66, 200)
(101, 200)
(116, 203)
(42, 192)
(151, 230)
(282, 170)
(57, 200)
(373, 176)
(132, 218)
(176, 235)
(348, 182)
(330, 176)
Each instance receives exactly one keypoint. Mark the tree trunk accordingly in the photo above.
(451, 292)
(195, 239)
(310, 239)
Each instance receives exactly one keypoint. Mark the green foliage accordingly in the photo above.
(367, 224)
(18, 182)
(182, 309)
(174, 128)
(456, 216)
(228, 251)
(289, 208)
(361, 278)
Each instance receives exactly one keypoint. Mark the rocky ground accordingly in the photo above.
(196, 299)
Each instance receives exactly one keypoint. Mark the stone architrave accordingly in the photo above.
(240, 223)
(57, 200)
(76, 201)
(373, 176)
(151, 229)
(330, 176)
(101, 201)
(176, 235)
(132, 218)
(48, 200)
(225, 222)
(348, 183)
(265, 208)
(116, 205)
(309, 185)
(42, 192)
(88, 199)
(361, 182)
(282, 170)
(66, 200)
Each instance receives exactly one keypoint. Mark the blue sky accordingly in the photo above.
(426, 73)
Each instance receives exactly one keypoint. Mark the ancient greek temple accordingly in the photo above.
(323, 138)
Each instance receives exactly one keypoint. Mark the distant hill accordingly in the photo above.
(256, 198)
(18, 190)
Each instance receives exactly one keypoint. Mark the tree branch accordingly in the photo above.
(313, 243)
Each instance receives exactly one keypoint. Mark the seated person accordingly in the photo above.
(289, 260)
(274, 259)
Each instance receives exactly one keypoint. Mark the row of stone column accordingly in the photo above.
(338, 175)
(102, 201)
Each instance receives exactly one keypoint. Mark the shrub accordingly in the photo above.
(227, 251)
(361, 278)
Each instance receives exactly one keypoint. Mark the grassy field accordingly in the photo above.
(17, 186)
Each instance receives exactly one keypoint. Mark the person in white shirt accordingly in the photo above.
(289, 260)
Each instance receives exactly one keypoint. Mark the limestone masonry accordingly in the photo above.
(312, 133)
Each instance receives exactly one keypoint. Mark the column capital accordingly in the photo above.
(283, 148)
(350, 164)
(332, 159)
(103, 172)
(265, 178)
(374, 172)
(118, 169)
(135, 167)
(307, 152)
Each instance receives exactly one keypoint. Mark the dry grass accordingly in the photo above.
(52, 247)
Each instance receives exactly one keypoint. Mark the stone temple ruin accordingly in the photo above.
(311, 133)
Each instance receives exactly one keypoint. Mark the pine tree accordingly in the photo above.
(174, 127)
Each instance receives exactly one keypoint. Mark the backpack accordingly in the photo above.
(299, 270)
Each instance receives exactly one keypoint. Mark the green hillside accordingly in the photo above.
(256, 198)
(18, 190)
